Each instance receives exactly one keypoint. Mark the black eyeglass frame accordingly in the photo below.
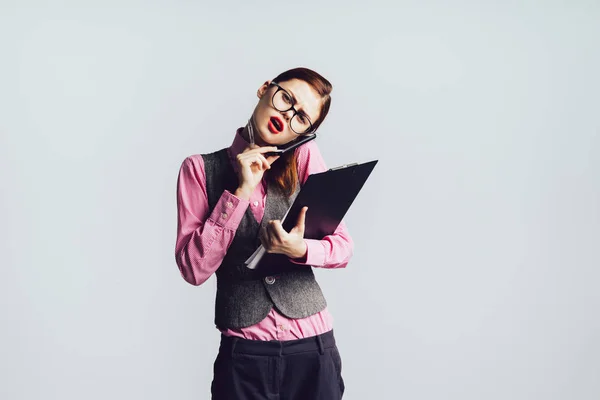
(310, 128)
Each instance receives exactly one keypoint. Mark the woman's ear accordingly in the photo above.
(262, 89)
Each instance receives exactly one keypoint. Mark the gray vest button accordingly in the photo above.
(270, 280)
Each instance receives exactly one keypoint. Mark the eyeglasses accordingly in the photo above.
(283, 101)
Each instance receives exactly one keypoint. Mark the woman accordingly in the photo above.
(276, 332)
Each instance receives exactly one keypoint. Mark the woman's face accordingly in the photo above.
(272, 126)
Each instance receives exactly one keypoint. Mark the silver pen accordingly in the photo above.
(250, 131)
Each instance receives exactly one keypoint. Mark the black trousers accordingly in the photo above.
(303, 369)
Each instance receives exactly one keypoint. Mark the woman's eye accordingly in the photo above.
(287, 98)
(302, 118)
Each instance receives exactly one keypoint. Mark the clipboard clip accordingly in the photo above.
(343, 166)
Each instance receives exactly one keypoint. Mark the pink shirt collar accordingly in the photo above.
(237, 146)
(239, 143)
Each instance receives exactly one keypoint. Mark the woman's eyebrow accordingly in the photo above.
(291, 94)
(302, 110)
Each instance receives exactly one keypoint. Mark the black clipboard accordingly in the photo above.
(328, 196)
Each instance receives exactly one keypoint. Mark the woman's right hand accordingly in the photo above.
(252, 165)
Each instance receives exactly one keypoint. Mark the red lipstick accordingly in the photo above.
(275, 125)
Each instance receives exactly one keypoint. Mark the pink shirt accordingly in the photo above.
(203, 238)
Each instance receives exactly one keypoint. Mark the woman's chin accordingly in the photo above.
(265, 139)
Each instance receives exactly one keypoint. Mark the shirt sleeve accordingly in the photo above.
(333, 251)
(203, 237)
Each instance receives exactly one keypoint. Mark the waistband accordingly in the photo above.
(232, 344)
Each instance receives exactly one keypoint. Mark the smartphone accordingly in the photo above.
(284, 148)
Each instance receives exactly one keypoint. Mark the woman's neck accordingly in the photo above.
(246, 135)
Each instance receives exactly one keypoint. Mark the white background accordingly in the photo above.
(475, 274)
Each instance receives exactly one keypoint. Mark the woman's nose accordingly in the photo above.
(288, 114)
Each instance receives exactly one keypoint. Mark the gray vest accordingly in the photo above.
(245, 296)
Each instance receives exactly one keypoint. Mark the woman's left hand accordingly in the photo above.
(276, 240)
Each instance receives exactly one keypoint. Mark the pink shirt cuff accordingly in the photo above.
(229, 210)
(315, 254)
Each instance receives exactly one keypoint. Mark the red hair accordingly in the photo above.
(284, 173)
